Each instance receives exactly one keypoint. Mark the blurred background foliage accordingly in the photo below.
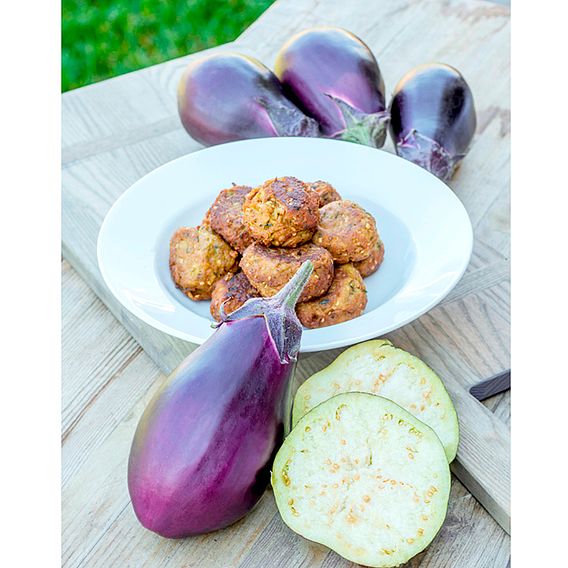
(104, 38)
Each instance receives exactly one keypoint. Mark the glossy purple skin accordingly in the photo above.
(202, 452)
(321, 63)
(229, 96)
(433, 118)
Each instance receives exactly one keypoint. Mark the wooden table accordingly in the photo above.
(116, 131)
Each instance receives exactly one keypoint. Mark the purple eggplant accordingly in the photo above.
(202, 453)
(433, 118)
(230, 96)
(334, 77)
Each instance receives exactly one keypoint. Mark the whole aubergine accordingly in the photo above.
(433, 118)
(203, 449)
(230, 96)
(334, 77)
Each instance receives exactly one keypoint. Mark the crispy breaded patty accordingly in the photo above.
(327, 193)
(282, 212)
(370, 264)
(269, 269)
(234, 290)
(198, 258)
(347, 231)
(226, 216)
(346, 299)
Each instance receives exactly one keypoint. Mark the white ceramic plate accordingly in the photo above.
(425, 229)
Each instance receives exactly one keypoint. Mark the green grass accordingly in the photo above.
(104, 38)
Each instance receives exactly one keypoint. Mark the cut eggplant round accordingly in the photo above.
(364, 477)
(377, 367)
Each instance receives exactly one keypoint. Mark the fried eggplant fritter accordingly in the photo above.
(282, 212)
(327, 193)
(269, 269)
(346, 299)
(198, 258)
(226, 217)
(231, 291)
(371, 264)
(347, 231)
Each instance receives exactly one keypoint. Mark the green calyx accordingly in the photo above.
(361, 128)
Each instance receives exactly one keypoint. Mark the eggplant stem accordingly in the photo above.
(289, 295)
(289, 121)
(279, 313)
(362, 128)
(428, 154)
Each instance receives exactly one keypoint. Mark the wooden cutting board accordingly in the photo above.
(116, 131)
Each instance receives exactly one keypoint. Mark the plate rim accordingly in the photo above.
(133, 309)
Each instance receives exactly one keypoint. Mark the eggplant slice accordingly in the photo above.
(377, 367)
(364, 477)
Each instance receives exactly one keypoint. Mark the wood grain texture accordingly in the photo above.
(99, 526)
(116, 131)
(483, 459)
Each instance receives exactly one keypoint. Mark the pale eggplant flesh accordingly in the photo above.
(378, 367)
(202, 452)
(364, 477)
(334, 78)
(433, 118)
(231, 96)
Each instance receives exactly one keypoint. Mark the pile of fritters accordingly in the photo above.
(275, 227)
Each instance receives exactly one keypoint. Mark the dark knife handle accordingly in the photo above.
(494, 385)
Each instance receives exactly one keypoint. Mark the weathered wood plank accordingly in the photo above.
(99, 528)
(105, 530)
(88, 330)
(87, 197)
(85, 204)
(116, 131)
(500, 405)
(89, 189)
(104, 371)
(483, 460)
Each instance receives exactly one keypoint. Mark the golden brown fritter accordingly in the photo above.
(346, 299)
(327, 193)
(234, 290)
(269, 269)
(226, 216)
(347, 231)
(198, 258)
(282, 212)
(370, 264)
